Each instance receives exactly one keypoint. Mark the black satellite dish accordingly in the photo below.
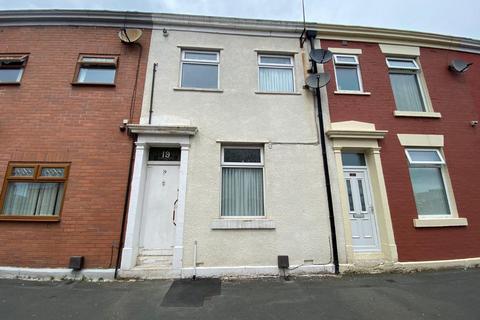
(317, 80)
(458, 65)
(320, 55)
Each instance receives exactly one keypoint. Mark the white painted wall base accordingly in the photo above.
(255, 271)
(56, 273)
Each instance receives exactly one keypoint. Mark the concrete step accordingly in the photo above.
(155, 252)
(159, 261)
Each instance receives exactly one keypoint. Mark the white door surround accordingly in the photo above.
(361, 210)
(362, 137)
(148, 136)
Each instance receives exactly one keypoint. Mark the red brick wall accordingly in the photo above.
(457, 98)
(48, 119)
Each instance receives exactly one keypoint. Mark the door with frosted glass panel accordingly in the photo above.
(361, 211)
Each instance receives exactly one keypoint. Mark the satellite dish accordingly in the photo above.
(317, 80)
(130, 35)
(320, 55)
(458, 65)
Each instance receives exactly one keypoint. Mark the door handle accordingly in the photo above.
(174, 211)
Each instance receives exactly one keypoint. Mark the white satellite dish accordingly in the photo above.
(130, 35)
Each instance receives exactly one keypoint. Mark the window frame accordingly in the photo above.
(416, 162)
(201, 62)
(36, 177)
(22, 57)
(248, 165)
(291, 66)
(350, 65)
(107, 65)
(432, 164)
(409, 70)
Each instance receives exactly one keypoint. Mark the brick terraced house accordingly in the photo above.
(199, 150)
(66, 86)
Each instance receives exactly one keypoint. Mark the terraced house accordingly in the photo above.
(158, 146)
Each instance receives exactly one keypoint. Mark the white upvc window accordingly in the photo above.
(347, 73)
(242, 181)
(200, 69)
(275, 73)
(427, 174)
(406, 85)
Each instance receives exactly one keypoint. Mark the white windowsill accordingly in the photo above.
(235, 224)
(398, 113)
(354, 93)
(198, 90)
(279, 93)
(440, 222)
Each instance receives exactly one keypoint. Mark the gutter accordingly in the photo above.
(311, 35)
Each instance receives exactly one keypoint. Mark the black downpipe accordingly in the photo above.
(311, 37)
(151, 94)
(125, 209)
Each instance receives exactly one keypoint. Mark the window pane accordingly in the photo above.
(10, 75)
(406, 92)
(242, 192)
(276, 79)
(340, 59)
(22, 172)
(208, 56)
(276, 60)
(353, 159)
(402, 63)
(199, 76)
(429, 190)
(424, 155)
(347, 78)
(241, 155)
(96, 75)
(350, 196)
(164, 154)
(33, 199)
(362, 196)
(52, 172)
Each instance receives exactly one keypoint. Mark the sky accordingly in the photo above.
(458, 17)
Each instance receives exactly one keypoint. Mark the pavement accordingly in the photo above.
(452, 295)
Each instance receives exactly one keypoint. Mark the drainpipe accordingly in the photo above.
(151, 93)
(125, 208)
(311, 35)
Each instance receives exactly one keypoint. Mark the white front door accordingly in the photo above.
(158, 225)
(361, 211)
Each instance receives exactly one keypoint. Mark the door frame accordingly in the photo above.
(371, 200)
(155, 136)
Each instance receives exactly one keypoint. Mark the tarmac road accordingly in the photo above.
(452, 295)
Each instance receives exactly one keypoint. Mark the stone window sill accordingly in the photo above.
(398, 113)
(245, 224)
(353, 93)
(440, 222)
(198, 90)
(279, 93)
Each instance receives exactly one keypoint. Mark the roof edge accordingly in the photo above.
(106, 18)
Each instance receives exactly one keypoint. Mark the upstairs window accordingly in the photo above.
(11, 68)
(96, 70)
(347, 73)
(33, 190)
(427, 169)
(275, 74)
(200, 69)
(407, 90)
(242, 181)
